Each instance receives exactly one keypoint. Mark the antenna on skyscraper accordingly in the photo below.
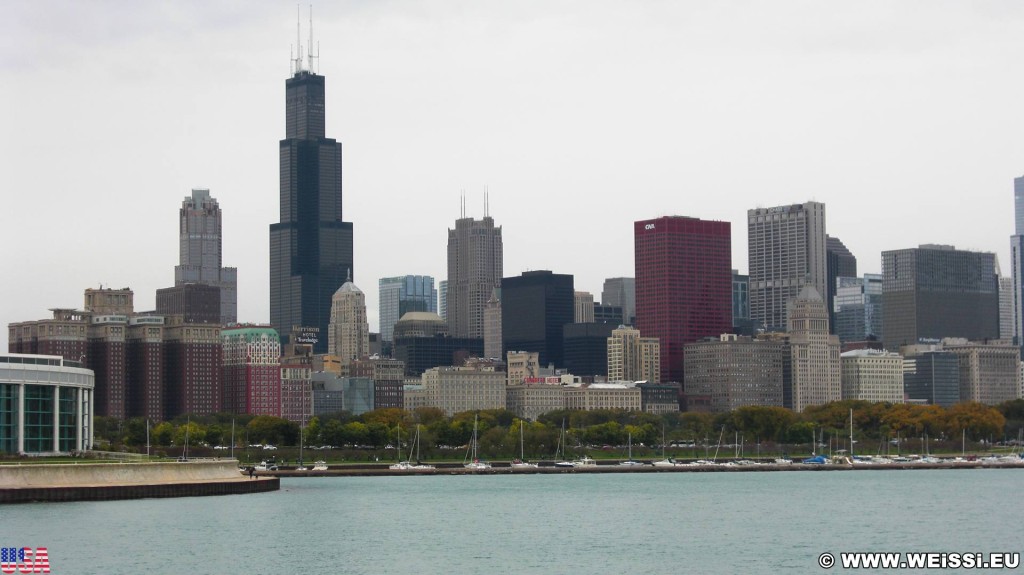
(310, 47)
(297, 61)
(487, 195)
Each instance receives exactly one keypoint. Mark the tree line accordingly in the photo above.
(499, 430)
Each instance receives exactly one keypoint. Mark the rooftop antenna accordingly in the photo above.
(487, 201)
(297, 60)
(310, 47)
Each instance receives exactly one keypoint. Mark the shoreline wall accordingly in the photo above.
(108, 481)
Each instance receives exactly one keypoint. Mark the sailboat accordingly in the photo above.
(630, 461)
(401, 465)
(521, 462)
(474, 463)
(299, 465)
(417, 465)
(664, 461)
(560, 448)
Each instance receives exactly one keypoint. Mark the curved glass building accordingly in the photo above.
(46, 404)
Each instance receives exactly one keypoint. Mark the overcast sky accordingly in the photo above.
(904, 118)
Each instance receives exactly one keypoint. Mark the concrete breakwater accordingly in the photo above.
(101, 481)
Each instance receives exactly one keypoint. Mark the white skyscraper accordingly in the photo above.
(349, 332)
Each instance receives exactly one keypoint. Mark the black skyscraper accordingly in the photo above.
(311, 248)
(534, 308)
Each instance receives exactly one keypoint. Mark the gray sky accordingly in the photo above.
(580, 117)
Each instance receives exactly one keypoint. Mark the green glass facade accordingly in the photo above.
(8, 418)
(67, 420)
(45, 405)
(39, 412)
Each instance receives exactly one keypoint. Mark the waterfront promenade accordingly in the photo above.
(104, 481)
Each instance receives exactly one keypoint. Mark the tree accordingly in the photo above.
(313, 431)
(162, 434)
(273, 430)
(978, 420)
(190, 432)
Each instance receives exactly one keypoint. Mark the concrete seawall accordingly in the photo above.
(100, 481)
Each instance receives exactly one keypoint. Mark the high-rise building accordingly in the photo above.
(1017, 273)
(534, 308)
(683, 284)
(728, 372)
(931, 374)
(474, 269)
(442, 299)
(633, 358)
(741, 322)
(610, 314)
(422, 342)
(388, 376)
(872, 375)
(199, 229)
(492, 325)
(145, 365)
(402, 294)
(311, 246)
(786, 250)
(1017, 261)
(197, 303)
(585, 348)
(814, 354)
(839, 262)
(193, 364)
(857, 308)
(937, 291)
(348, 333)
(989, 371)
(621, 292)
(1018, 205)
(1006, 311)
(583, 303)
(252, 370)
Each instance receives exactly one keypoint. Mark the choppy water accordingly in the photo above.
(551, 524)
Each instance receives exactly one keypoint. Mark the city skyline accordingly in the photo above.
(705, 112)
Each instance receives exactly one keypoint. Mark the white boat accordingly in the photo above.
(416, 457)
(630, 461)
(560, 449)
(472, 462)
(320, 465)
(521, 463)
(665, 461)
(584, 461)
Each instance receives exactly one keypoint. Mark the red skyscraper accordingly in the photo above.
(683, 284)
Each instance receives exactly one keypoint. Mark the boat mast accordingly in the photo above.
(851, 433)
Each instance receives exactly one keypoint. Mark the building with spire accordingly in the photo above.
(200, 249)
(349, 334)
(474, 270)
(311, 245)
(814, 354)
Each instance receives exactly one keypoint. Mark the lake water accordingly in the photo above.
(587, 523)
